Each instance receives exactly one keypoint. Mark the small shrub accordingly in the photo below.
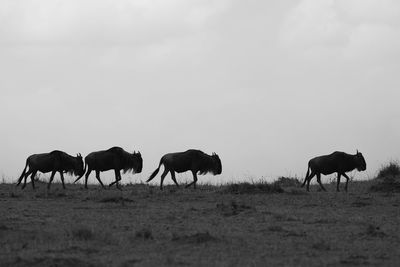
(392, 169)
(388, 179)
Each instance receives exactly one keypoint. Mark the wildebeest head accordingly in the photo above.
(137, 158)
(133, 162)
(78, 166)
(361, 165)
(217, 164)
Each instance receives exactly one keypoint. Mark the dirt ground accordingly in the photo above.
(143, 226)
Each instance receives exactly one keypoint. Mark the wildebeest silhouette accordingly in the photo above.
(115, 159)
(55, 161)
(192, 160)
(338, 162)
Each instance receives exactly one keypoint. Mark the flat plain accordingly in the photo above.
(211, 226)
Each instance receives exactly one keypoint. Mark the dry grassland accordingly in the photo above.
(210, 226)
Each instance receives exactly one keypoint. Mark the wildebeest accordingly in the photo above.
(192, 160)
(115, 159)
(338, 162)
(55, 161)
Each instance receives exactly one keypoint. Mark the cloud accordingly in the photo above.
(372, 11)
(374, 43)
(313, 23)
(352, 29)
(102, 22)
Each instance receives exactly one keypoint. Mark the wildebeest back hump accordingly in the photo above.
(116, 150)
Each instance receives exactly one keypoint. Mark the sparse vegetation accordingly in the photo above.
(225, 225)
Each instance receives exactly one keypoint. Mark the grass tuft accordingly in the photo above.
(374, 231)
(196, 238)
(253, 188)
(287, 182)
(233, 208)
(82, 233)
(144, 234)
(115, 199)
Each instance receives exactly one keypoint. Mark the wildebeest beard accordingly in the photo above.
(71, 164)
(129, 163)
(207, 166)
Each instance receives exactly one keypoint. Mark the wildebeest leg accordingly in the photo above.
(338, 182)
(162, 178)
(87, 176)
(51, 179)
(62, 179)
(32, 179)
(173, 178)
(98, 178)
(194, 180)
(20, 180)
(347, 181)
(319, 181)
(22, 176)
(309, 180)
(25, 177)
(117, 178)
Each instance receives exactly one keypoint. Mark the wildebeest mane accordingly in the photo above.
(67, 162)
(128, 164)
(206, 164)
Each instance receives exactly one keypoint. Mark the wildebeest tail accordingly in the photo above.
(154, 173)
(84, 171)
(307, 174)
(23, 173)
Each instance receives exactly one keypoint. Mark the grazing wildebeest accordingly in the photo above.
(115, 159)
(339, 162)
(192, 160)
(55, 161)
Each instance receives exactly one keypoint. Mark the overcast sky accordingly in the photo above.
(265, 84)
